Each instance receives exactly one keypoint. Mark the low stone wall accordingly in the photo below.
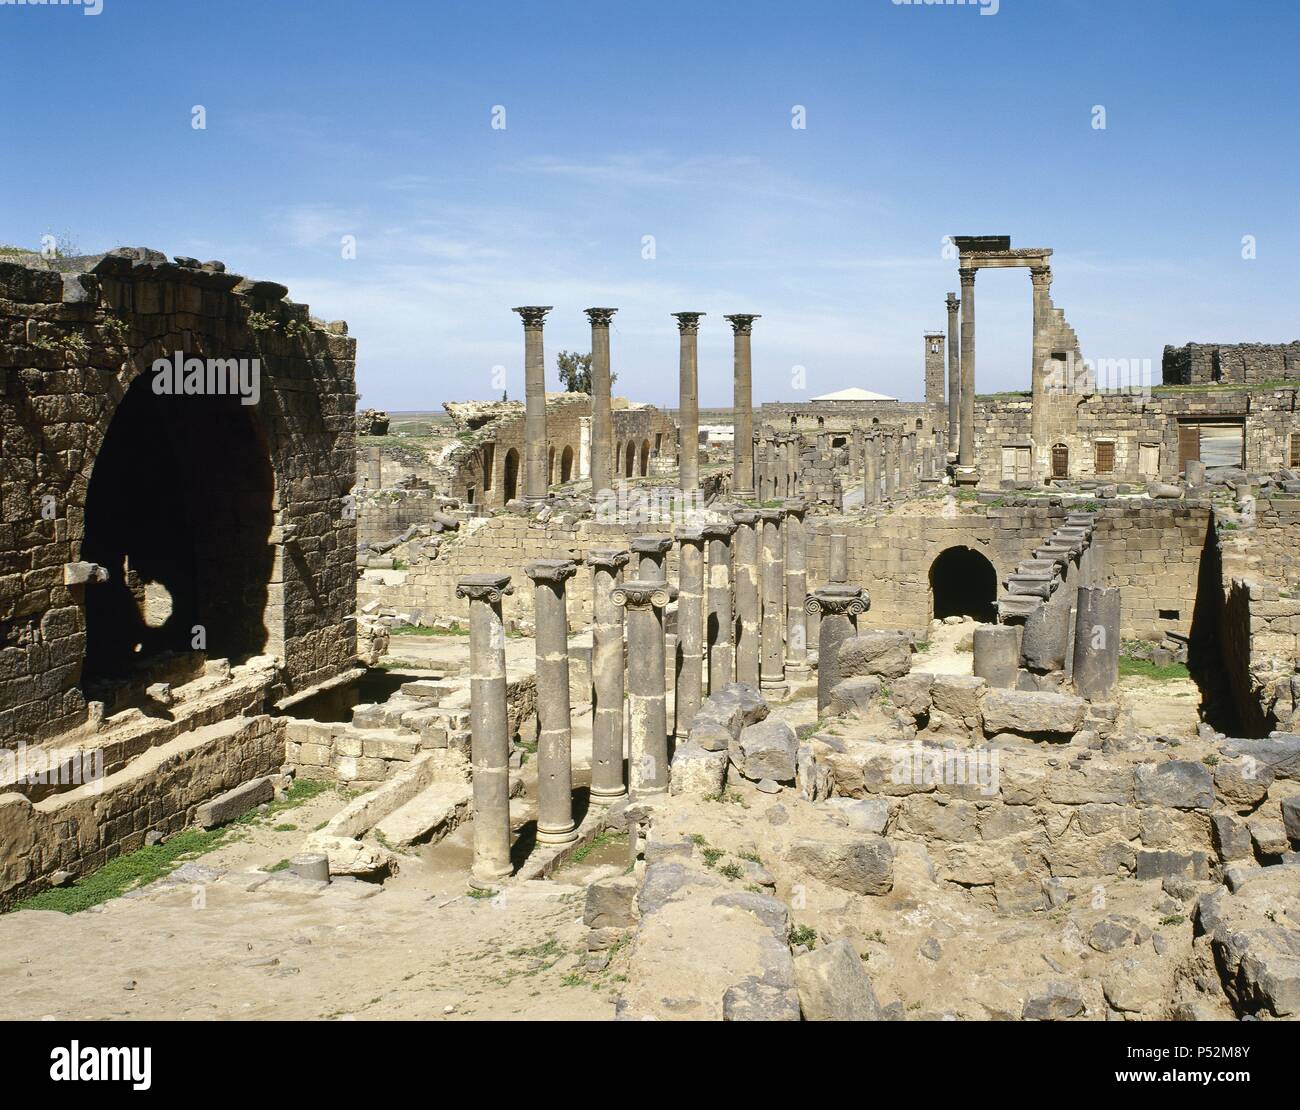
(81, 830)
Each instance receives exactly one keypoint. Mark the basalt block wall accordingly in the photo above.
(1245, 363)
(257, 494)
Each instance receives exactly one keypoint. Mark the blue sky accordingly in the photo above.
(673, 120)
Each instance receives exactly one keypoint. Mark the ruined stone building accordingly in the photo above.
(485, 468)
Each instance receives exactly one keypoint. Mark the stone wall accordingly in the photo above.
(272, 558)
(1082, 422)
(82, 829)
(1242, 363)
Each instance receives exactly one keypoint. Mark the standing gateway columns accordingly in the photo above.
(954, 371)
(742, 469)
(688, 436)
(534, 403)
(606, 675)
(489, 729)
(555, 823)
(602, 420)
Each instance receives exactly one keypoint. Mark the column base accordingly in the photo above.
(777, 686)
(482, 879)
(606, 798)
(798, 672)
(966, 475)
(557, 836)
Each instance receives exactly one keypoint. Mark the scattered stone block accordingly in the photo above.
(225, 807)
(766, 750)
(885, 654)
(1178, 784)
(834, 986)
(697, 772)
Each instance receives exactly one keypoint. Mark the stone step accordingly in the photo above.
(1019, 606)
(429, 816)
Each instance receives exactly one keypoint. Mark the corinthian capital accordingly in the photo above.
(742, 322)
(533, 314)
(688, 322)
(599, 317)
(967, 275)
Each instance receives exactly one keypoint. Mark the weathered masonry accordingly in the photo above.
(149, 527)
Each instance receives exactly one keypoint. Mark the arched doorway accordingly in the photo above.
(629, 460)
(963, 583)
(1060, 461)
(645, 458)
(179, 512)
(510, 484)
(566, 464)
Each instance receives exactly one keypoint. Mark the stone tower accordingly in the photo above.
(934, 367)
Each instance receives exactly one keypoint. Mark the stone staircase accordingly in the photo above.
(1036, 579)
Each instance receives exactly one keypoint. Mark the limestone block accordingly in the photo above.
(1032, 714)
(858, 862)
(834, 986)
(766, 750)
(886, 654)
(697, 771)
(225, 807)
(854, 696)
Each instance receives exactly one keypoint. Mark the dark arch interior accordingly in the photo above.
(964, 584)
(179, 512)
(511, 481)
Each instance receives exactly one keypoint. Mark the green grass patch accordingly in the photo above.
(422, 630)
(127, 872)
(601, 840)
(302, 791)
(1129, 667)
(805, 935)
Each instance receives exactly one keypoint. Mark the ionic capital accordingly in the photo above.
(834, 600)
(641, 594)
(484, 587)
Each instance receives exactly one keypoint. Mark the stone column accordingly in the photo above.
(966, 472)
(720, 630)
(796, 592)
(742, 469)
(375, 467)
(534, 403)
(855, 455)
(647, 700)
(838, 606)
(908, 465)
(489, 731)
(839, 560)
(689, 687)
(997, 655)
(602, 420)
(1041, 276)
(688, 324)
(954, 372)
(554, 736)
(648, 552)
(892, 464)
(871, 472)
(606, 675)
(772, 671)
(748, 606)
(1096, 642)
(584, 447)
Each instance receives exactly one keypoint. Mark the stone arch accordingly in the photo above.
(550, 466)
(629, 460)
(179, 510)
(963, 582)
(510, 478)
(566, 464)
(645, 458)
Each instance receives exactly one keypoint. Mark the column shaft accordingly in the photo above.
(555, 823)
(689, 687)
(647, 700)
(602, 420)
(742, 471)
(966, 443)
(748, 605)
(954, 372)
(721, 618)
(606, 675)
(772, 670)
(796, 592)
(489, 731)
(535, 445)
(688, 446)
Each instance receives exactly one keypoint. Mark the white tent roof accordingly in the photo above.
(854, 394)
